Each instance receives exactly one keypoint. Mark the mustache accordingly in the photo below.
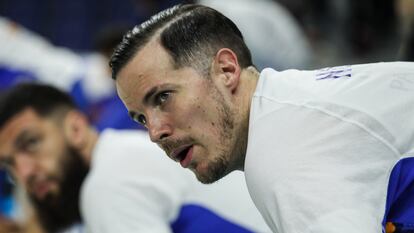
(170, 144)
(33, 180)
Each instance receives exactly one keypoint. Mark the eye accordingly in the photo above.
(30, 144)
(141, 119)
(162, 97)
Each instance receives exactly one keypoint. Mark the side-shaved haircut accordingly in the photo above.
(192, 34)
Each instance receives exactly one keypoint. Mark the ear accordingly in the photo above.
(226, 67)
(76, 129)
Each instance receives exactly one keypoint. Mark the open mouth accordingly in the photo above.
(183, 155)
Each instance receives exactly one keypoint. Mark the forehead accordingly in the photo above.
(147, 67)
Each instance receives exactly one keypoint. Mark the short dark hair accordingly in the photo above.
(190, 33)
(44, 100)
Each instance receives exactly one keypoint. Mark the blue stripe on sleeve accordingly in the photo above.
(197, 219)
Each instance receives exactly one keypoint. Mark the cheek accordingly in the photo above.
(193, 115)
(205, 124)
(51, 167)
(196, 112)
(52, 162)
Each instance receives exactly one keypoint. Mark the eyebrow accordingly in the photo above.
(23, 136)
(149, 94)
(146, 100)
(155, 89)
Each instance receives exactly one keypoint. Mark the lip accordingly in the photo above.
(183, 160)
(174, 154)
(41, 189)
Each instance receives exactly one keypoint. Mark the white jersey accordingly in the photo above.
(134, 187)
(322, 145)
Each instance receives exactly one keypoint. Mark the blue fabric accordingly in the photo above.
(106, 113)
(197, 219)
(78, 96)
(6, 200)
(9, 77)
(400, 198)
(113, 114)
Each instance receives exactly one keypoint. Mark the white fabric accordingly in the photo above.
(75, 228)
(322, 145)
(134, 187)
(271, 33)
(230, 198)
(58, 66)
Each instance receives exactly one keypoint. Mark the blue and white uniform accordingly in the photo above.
(133, 187)
(27, 56)
(331, 150)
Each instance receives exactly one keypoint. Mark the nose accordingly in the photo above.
(24, 167)
(159, 128)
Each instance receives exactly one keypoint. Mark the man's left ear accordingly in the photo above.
(76, 126)
(227, 66)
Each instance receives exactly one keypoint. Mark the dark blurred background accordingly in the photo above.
(75, 23)
(356, 30)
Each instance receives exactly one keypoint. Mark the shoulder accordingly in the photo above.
(129, 156)
(121, 145)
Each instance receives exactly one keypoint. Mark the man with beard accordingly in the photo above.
(319, 148)
(120, 180)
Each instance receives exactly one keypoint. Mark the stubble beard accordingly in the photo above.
(231, 152)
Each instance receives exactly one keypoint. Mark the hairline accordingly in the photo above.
(56, 114)
(155, 37)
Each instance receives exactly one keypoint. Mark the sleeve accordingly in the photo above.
(311, 171)
(133, 197)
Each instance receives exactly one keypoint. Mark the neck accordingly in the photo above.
(248, 82)
(251, 76)
(249, 79)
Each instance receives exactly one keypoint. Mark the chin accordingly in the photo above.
(48, 198)
(205, 179)
(211, 172)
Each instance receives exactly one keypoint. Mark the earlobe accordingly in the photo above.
(227, 66)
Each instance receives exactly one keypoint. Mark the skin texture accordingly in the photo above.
(205, 117)
(49, 158)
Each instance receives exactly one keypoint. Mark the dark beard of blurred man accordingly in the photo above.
(58, 212)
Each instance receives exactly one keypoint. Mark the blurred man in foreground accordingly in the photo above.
(121, 182)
